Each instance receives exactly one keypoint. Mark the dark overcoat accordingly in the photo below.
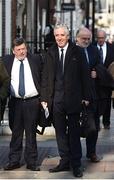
(76, 78)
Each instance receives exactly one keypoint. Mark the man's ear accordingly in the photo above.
(13, 51)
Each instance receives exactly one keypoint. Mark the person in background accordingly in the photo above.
(49, 38)
(4, 85)
(107, 57)
(83, 39)
(64, 88)
(25, 72)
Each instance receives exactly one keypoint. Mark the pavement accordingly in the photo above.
(48, 157)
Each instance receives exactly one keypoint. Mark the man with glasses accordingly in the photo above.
(107, 57)
(83, 39)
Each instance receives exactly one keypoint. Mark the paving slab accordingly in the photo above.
(48, 157)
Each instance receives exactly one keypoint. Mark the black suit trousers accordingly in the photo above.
(68, 135)
(91, 139)
(107, 113)
(25, 116)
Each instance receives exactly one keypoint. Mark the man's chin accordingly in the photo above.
(21, 58)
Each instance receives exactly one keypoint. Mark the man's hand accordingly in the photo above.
(86, 102)
(93, 74)
(44, 104)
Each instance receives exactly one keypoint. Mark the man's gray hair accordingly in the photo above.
(61, 25)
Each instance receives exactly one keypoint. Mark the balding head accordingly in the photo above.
(83, 37)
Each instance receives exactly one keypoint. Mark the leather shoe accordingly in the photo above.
(94, 158)
(10, 166)
(106, 126)
(33, 168)
(77, 172)
(60, 168)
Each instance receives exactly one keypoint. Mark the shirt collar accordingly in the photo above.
(104, 45)
(65, 47)
(18, 59)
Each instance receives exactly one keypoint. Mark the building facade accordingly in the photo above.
(29, 18)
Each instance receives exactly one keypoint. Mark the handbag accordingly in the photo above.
(87, 122)
(43, 122)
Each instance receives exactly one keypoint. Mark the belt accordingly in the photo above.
(24, 99)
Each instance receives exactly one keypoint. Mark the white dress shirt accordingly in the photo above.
(64, 53)
(104, 48)
(30, 89)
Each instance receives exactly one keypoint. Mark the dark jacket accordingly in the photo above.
(105, 82)
(76, 78)
(94, 60)
(4, 83)
(35, 65)
(109, 54)
(35, 62)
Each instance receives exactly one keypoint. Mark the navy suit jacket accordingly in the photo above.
(109, 54)
(35, 65)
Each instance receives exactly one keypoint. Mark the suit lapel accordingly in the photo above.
(67, 55)
(90, 55)
(10, 64)
(107, 53)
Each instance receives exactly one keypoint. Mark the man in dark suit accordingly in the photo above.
(107, 57)
(64, 87)
(83, 39)
(23, 104)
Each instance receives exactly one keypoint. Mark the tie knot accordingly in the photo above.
(62, 50)
(100, 47)
(21, 60)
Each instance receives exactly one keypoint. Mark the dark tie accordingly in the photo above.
(101, 54)
(86, 53)
(61, 59)
(21, 89)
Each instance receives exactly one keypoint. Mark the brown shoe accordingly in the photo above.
(94, 158)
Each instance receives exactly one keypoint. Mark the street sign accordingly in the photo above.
(68, 6)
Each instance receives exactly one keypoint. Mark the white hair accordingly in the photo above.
(64, 26)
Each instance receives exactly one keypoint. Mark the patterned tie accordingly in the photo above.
(61, 60)
(101, 54)
(21, 89)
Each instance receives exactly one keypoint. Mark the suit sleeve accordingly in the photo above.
(4, 81)
(85, 78)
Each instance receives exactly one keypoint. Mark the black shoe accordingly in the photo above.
(10, 166)
(77, 172)
(94, 158)
(60, 168)
(106, 126)
(33, 168)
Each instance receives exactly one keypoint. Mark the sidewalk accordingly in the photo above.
(48, 157)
